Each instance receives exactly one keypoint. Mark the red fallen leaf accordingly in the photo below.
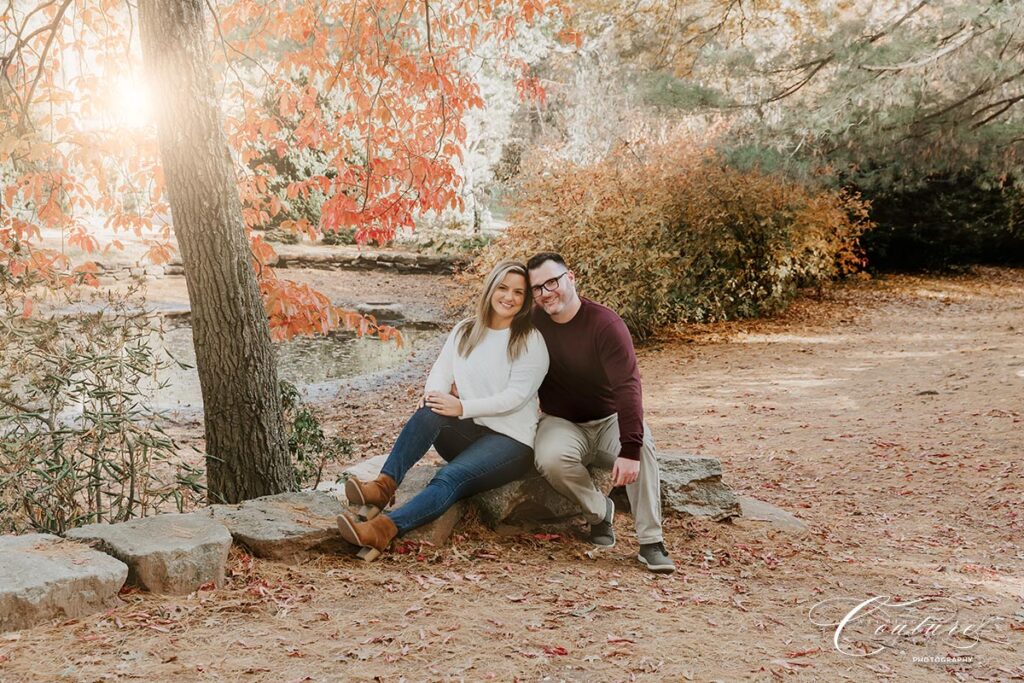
(803, 653)
(547, 537)
(4, 658)
(1017, 627)
(786, 664)
(559, 651)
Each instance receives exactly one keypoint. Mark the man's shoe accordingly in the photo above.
(602, 534)
(655, 557)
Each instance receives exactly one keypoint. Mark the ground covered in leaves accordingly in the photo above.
(888, 414)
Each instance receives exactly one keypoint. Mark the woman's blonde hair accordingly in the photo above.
(474, 329)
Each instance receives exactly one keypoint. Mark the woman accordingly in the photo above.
(485, 430)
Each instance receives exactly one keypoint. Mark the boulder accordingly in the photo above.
(173, 554)
(365, 469)
(761, 512)
(690, 485)
(44, 577)
(287, 526)
(531, 499)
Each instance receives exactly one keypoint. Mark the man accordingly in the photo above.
(593, 410)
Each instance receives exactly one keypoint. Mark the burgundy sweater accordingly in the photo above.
(593, 372)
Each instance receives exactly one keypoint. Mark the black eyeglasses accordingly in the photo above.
(548, 285)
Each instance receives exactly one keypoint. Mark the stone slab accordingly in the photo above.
(382, 310)
(173, 554)
(760, 511)
(690, 485)
(366, 469)
(44, 577)
(531, 499)
(285, 527)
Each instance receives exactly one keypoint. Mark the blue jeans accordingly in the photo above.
(479, 459)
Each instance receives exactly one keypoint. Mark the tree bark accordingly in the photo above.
(246, 446)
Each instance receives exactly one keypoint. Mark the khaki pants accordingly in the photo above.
(564, 449)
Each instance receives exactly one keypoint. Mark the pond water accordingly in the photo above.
(317, 365)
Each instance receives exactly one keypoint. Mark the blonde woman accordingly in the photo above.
(496, 360)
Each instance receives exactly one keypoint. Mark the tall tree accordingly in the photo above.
(377, 89)
(246, 443)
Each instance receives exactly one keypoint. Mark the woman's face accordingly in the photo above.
(507, 299)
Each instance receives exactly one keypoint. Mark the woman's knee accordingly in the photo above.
(426, 417)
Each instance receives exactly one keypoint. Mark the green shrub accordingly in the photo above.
(78, 443)
(345, 237)
(310, 449)
(281, 236)
(673, 234)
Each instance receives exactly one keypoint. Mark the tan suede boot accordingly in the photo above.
(374, 536)
(370, 497)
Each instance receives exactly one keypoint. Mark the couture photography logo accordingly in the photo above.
(931, 630)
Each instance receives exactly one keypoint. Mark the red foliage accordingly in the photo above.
(378, 88)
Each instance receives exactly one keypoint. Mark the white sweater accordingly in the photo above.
(495, 393)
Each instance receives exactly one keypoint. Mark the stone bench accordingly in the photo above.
(690, 485)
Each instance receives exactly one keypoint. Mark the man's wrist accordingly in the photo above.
(630, 451)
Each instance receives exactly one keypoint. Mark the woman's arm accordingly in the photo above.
(525, 378)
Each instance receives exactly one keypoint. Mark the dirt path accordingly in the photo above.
(888, 415)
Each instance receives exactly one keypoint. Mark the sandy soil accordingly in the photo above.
(886, 414)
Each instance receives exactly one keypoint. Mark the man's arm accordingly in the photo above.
(615, 346)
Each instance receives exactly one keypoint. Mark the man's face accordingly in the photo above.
(555, 301)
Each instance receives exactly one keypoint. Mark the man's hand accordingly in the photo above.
(625, 471)
(443, 404)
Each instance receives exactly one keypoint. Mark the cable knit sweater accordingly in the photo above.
(495, 392)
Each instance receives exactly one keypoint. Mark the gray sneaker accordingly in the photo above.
(655, 557)
(602, 534)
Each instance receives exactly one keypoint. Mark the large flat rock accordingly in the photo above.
(44, 577)
(690, 485)
(286, 527)
(173, 554)
(531, 499)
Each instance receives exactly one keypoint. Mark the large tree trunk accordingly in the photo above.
(246, 446)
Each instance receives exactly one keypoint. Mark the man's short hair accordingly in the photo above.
(538, 260)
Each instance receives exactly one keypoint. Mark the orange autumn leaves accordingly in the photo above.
(375, 92)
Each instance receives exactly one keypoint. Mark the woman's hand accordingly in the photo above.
(443, 404)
